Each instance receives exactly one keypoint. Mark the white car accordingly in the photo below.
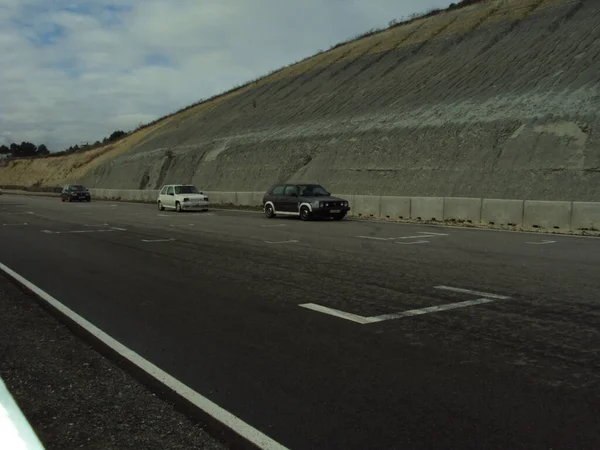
(182, 197)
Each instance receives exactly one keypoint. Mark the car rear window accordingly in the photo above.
(277, 190)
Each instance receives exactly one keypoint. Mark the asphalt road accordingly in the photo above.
(213, 299)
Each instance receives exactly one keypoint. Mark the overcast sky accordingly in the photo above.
(73, 71)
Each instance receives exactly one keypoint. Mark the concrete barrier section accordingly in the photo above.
(427, 208)
(222, 198)
(585, 215)
(395, 207)
(545, 214)
(502, 212)
(462, 209)
(249, 198)
(365, 205)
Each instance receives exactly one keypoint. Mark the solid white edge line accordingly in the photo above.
(212, 409)
(469, 291)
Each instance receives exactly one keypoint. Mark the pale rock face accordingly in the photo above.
(497, 100)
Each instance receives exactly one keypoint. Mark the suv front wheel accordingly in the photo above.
(304, 213)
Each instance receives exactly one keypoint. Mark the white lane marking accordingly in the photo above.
(158, 240)
(469, 291)
(112, 205)
(13, 224)
(274, 226)
(182, 225)
(336, 313)
(236, 424)
(85, 231)
(95, 225)
(432, 234)
(375, 238)
(541, 242)
(291, 241)
(413, 242)
(381, 318)
(21, 213)
(118, 229)
(432, 309)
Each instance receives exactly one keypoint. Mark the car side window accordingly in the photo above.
(170, 190)
(277, 190)
(290, 190)
(164, 190)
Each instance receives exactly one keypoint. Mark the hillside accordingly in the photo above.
(498, 99)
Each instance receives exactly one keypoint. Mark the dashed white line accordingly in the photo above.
(541, 242)
(223, 416)
(274, 226)
(14, 224)
(291, 241)
(158, 240)
(413, 242)
(374, 238)
(469, 291)
(432, 234)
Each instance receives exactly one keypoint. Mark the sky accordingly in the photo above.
(75, 71)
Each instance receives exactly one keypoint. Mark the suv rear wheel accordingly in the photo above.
(269, 212)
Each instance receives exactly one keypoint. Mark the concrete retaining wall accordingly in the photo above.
(529, 213)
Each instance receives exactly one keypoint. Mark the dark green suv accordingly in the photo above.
(303, 200)
(75, 192)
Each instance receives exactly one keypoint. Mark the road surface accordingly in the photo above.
(337, 335)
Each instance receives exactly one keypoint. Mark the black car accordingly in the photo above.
(72, 192)
(303, 200)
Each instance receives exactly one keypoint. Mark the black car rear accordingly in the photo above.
(75, 192)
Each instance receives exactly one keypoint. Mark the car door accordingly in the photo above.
(170, 198)
(275, 196)
(289, 201)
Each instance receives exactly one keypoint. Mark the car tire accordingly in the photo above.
(178, 207)
(160, 206)
(339, 216)
(269, 211)
(304, 213)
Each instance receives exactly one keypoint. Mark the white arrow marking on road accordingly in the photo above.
(541, 242)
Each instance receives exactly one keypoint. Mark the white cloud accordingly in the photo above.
(75, 72)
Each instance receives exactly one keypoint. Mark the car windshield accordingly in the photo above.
(77, 187)
(312, 190)
(186, 190)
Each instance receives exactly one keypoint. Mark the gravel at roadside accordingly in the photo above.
(73, 396)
